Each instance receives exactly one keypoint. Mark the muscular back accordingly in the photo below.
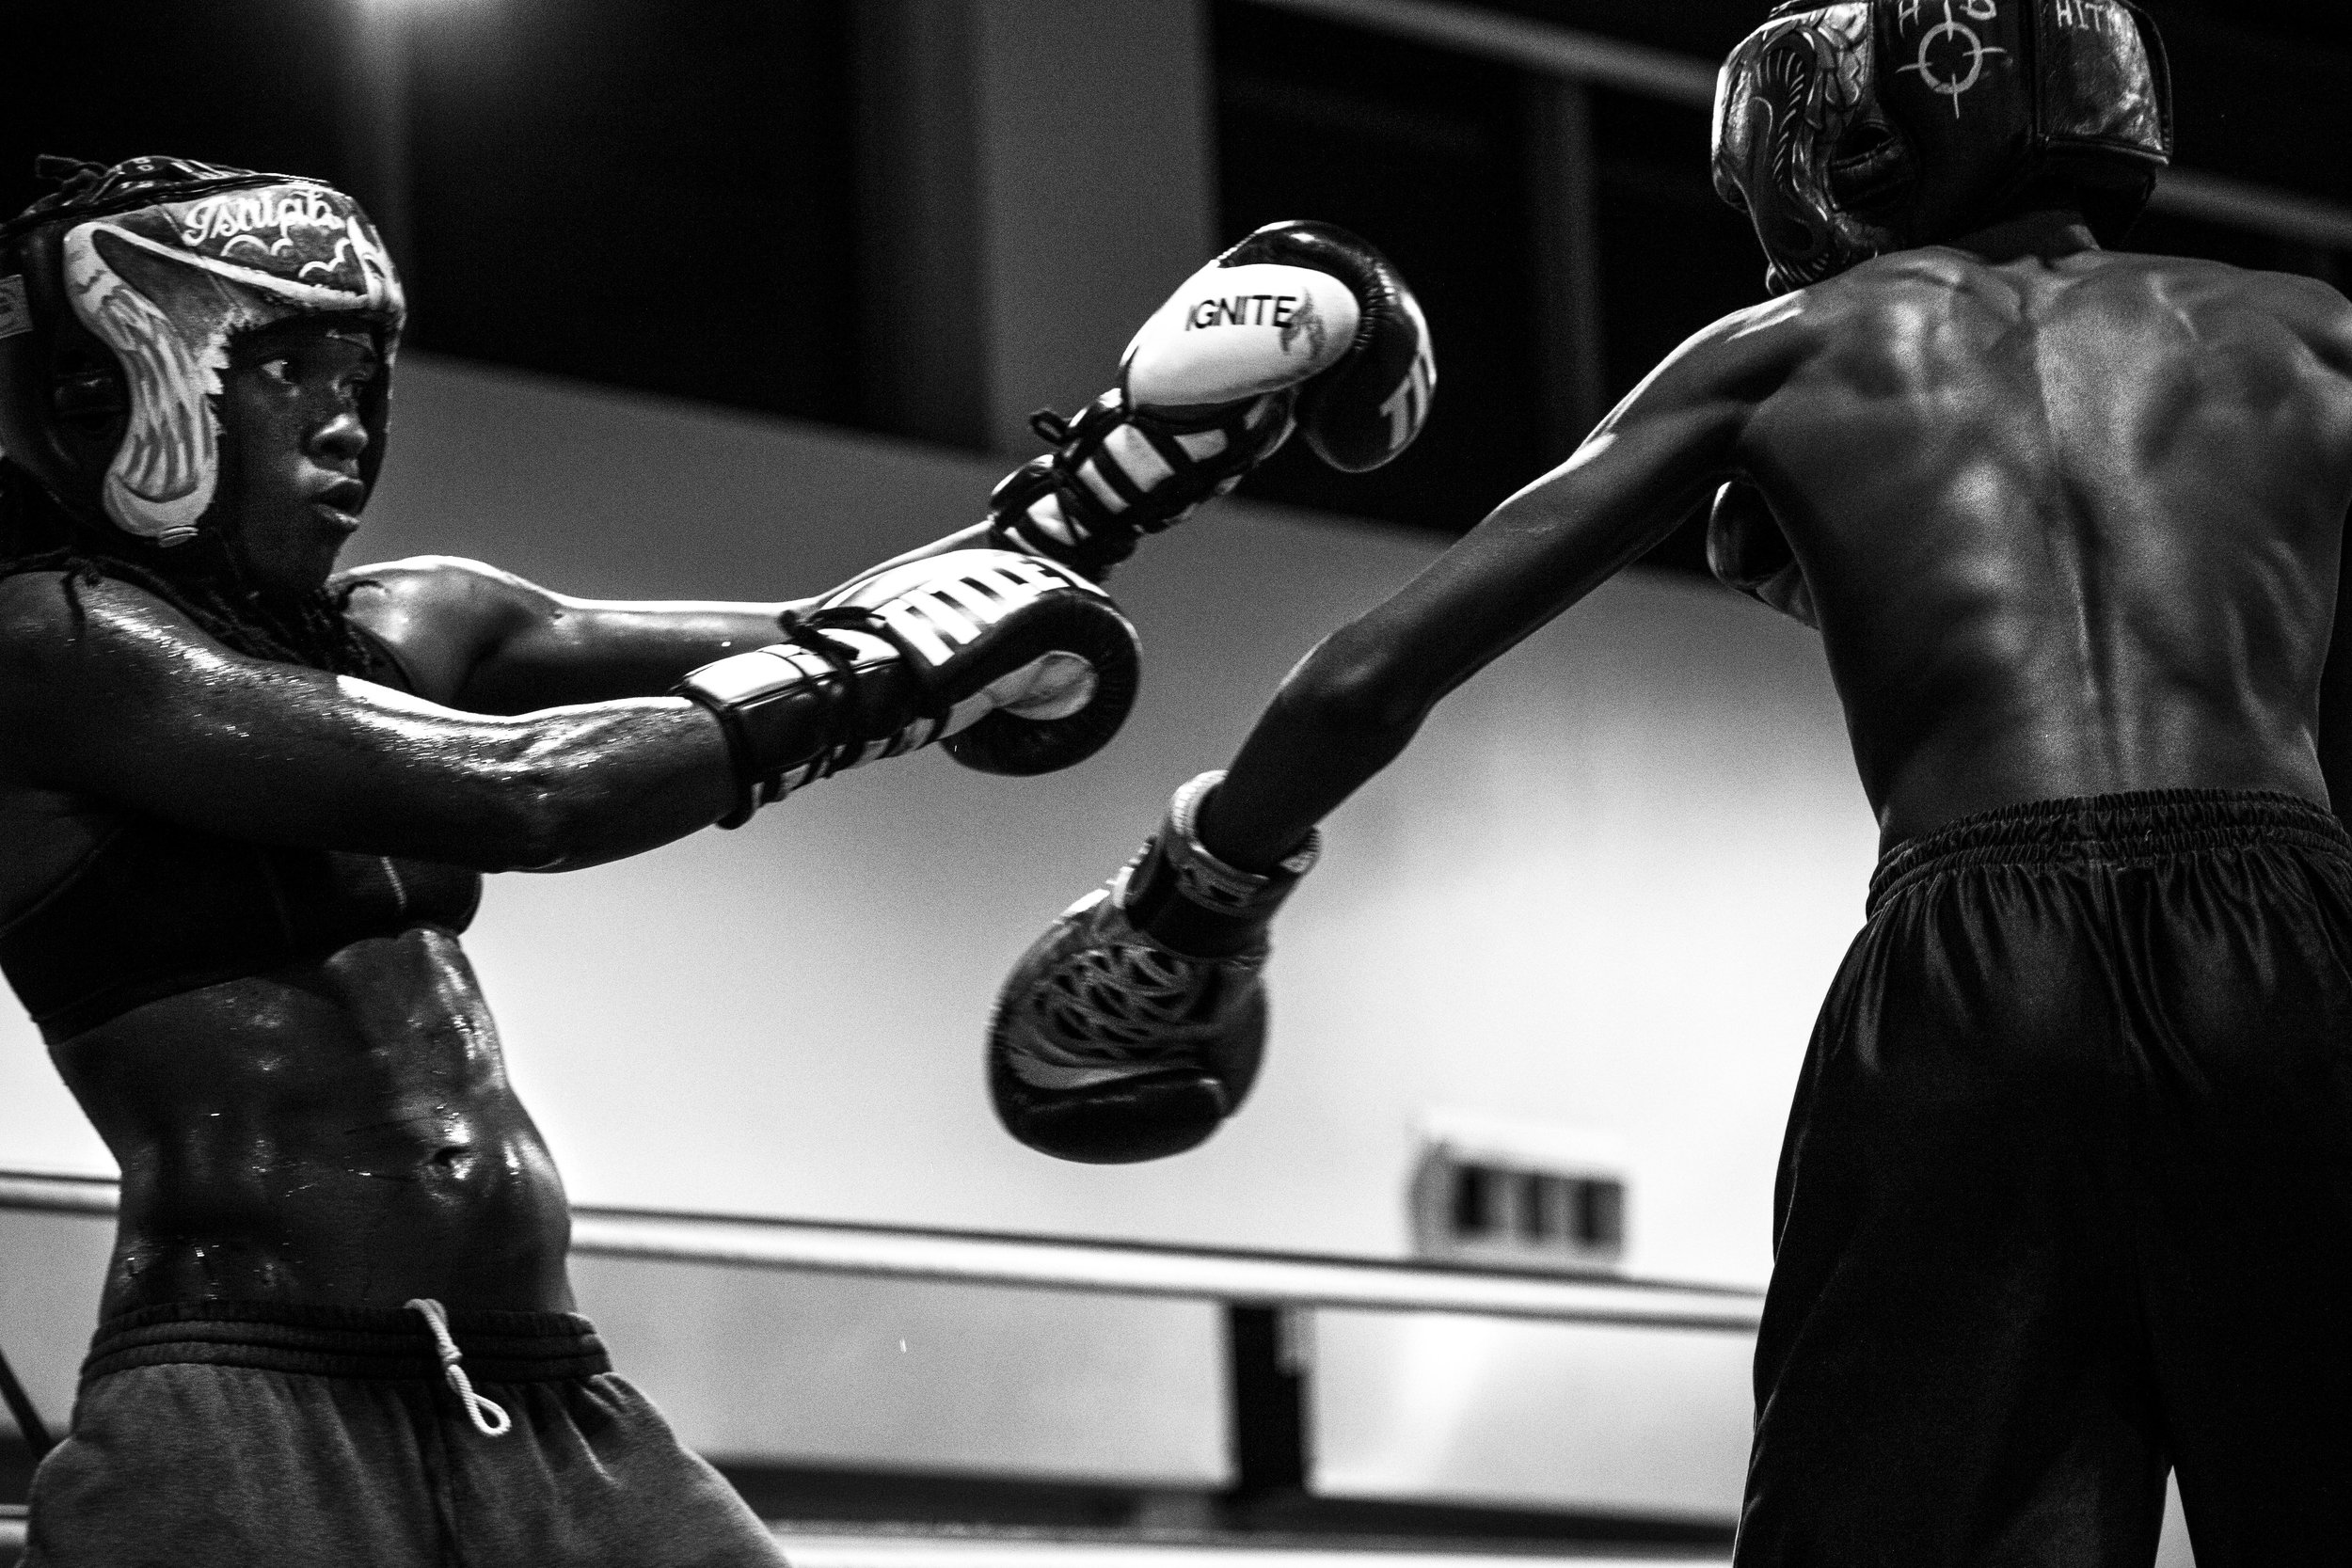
(2070, 527)
(2070, 523)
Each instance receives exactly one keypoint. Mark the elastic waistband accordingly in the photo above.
(2111, 830)
(340, 1342)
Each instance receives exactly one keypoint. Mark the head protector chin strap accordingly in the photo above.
(119, 298)
(1848, 130)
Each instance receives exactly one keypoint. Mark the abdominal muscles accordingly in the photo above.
(340, 1133)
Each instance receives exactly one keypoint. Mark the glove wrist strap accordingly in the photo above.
(1120, 473)
(1185, 898)
(792, 713)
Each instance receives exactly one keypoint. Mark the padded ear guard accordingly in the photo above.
(1849, 129)
(117, 297)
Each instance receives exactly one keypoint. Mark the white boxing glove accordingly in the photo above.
(1300, 325)
(1018, 664)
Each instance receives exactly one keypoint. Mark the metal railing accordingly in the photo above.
(1115, 1268)
(1268, 1410)
(1570, 55)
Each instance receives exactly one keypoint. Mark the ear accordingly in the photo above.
(1872, 164)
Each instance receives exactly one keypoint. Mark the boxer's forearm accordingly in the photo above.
(1335, 722)
(140, 711)
(581, 786)
(486, 642)
(604, 651)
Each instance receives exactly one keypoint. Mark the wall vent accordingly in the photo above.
(1518, 1195)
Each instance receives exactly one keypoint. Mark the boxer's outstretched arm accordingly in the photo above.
(1355, 701)
(488, 642)
(123, 701)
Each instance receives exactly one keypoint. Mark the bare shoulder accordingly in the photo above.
(2266, 312)
(38, 610)
(1866, 305)
(2194, 285)
(1738, 360)
(2313, 310)
(51, 621)
(436, 584)
(442, 614)
(72, 647)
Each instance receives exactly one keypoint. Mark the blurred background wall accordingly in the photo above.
(730, 298)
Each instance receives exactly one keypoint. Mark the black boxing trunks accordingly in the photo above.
(213, 1433)
(2066, 1199)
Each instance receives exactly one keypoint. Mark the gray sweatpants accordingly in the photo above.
(235, 1434)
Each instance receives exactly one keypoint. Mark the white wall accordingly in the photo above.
(1606, 888)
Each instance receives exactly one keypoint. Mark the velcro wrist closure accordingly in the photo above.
(775, 705)
(1185, 898)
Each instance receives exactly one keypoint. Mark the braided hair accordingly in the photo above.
(203, 581)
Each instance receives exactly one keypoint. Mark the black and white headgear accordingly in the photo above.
(119, 296)
(1848, 130)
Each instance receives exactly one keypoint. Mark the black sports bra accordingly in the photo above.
(157, 909)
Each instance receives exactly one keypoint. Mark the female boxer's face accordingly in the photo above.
(290, 488)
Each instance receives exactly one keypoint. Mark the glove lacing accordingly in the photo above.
(835, 756)
(1121, 1007)
(1095, 530)
(829, 758)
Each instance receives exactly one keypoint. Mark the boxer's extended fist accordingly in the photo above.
(1134, 1026)
(1021, 665)
(1748, 550)
(1301, 324)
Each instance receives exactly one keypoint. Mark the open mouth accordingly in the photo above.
(339, 504)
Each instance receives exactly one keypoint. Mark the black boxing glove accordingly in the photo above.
(1019, 664)
(1301, 324)
(1374, 397)
(1134, 1026)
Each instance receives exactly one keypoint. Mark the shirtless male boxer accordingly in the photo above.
(245, 804)
(2066, 1197)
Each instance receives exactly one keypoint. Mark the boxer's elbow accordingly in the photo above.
(532, 819)
(1356, 692)
(550, 809)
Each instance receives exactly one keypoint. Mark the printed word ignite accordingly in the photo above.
(1243, 311)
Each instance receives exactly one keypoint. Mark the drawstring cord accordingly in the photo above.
(436, 1319)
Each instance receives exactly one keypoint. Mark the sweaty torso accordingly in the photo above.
(333, 1128)
(2070, 527)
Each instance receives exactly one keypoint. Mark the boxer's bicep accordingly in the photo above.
(602, 650)
(1359, 697)
(1553, 543)
(560, 649)
(140, 711)
(489, 641)
(1642, 471)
